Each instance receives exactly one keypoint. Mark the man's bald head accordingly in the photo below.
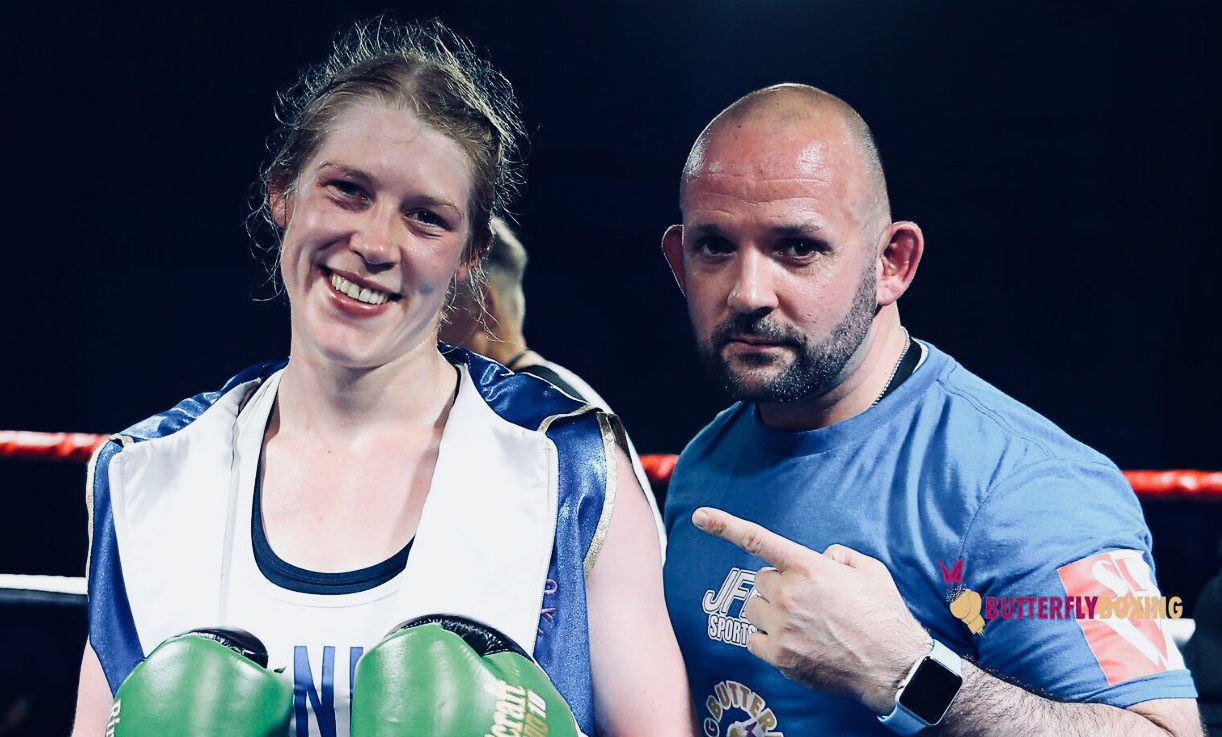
(505, 266)
(828, 132)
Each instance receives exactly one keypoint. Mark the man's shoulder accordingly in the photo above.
(716, 432)
(716, 441)
(976, 418)
(568, 381)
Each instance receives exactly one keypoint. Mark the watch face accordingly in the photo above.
(930, 691)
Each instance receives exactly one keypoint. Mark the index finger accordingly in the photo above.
(782, 553)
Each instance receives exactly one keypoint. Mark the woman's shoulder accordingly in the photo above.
(187, 411)
(521, 399)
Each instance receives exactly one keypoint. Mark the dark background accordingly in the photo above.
(1061, 158)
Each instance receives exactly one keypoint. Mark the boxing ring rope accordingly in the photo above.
(76, 446)
(49, 446)
(1185, 484)
(57, 590)
(1179, 484)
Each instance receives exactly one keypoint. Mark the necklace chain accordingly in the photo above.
(895, 369)
(513, 361)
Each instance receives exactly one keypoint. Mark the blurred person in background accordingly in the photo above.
(488, 317)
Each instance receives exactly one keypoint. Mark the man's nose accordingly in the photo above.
(376, 239)
(753, 289)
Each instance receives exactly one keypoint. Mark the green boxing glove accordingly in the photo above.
(445, 676)
(203, 683)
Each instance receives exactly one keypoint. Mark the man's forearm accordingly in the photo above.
(987, 705)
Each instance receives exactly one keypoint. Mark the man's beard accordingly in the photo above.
(814, 370)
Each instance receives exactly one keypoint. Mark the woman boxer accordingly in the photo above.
(374, 478)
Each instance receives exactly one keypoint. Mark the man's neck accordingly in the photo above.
(864, 378)
(502, 345)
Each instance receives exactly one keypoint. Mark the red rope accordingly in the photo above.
(50, 446)
(76, 446)
(659, 466)
(1190, 484)
(1182, 484)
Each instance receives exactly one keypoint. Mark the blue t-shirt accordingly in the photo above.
(951, 484)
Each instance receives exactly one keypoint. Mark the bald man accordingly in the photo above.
(872, 539)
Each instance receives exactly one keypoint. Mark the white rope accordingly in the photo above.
(47, 584)
(1181, 629)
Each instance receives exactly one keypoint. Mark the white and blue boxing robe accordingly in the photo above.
(520, 502)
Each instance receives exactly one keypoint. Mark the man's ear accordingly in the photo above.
(672, 248)
(898, 259)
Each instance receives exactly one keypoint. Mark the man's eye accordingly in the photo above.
(800, 249)
(714, 246)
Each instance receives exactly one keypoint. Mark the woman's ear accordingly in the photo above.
(278, 197)
(479, 250)
(474, 256)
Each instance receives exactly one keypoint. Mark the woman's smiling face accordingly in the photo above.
(374, 232)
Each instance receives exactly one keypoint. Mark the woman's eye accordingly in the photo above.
(347, 189)
(428, 217)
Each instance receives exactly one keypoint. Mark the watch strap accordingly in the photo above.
(901, 720)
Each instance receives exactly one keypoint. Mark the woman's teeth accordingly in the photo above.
(361, 294)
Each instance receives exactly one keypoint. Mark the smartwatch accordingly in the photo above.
(926, 693)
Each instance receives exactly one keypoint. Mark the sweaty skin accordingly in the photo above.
(784, 227)
(842, 147)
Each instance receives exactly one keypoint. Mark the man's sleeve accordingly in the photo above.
(1060, 553)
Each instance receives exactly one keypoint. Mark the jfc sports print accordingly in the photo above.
(733, 594)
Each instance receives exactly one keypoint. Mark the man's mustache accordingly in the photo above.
(754, 327)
